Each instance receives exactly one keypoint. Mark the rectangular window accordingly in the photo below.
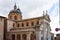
(27, 24)
(32, 23)
(18, 25)
(37, 22)
(22, 25)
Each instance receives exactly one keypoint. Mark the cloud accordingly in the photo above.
(54, 15)
(35, 7)
(25, 5)
(34, 13)
(54, 23)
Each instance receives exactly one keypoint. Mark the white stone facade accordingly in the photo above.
(43, 32)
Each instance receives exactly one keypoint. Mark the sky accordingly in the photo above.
(33, 8)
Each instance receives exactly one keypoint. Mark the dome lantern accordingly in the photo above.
(15, 7)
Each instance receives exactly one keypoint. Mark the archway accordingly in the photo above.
(24, 36)
(13, 37)
(18, 37)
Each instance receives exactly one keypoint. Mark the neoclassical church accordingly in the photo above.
(16, 28)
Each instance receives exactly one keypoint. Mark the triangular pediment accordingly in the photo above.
(47, 17)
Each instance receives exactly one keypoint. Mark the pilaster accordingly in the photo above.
(29, 35)
(21, 36)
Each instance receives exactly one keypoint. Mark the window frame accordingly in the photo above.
(32, 23)
(15, 17)
(27, 24)
(37, 23)
(18, 25)
(13, 24)
(22, 24)
(18, 37)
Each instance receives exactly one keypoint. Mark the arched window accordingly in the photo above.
(13, 37)
(24, 36)
(22, 24)
(27, 24)
(15, 17)
(13, 25)
(18, 25)
(32, 23)
(32, 37)
(18, 37)
(37, 22)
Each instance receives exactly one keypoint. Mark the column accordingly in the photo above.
(49, 34)
(21, 37)
(28, 36)
(38, 35)
(44, 33)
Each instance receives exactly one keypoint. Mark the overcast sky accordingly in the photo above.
(33, 8)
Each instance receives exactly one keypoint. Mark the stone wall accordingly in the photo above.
(3, 26)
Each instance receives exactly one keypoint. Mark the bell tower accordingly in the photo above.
(15, 14)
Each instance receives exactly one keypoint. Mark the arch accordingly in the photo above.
(27, 24)
(13, 24)
(32, 37)
(22, 24)
(18, 24)
(37, 23)
(13, 37)
(24, 36)
(18, 37)
(15, 17)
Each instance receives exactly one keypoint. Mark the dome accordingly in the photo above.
(18, 9)
(15, 11)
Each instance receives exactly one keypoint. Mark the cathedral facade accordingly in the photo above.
(17, 28)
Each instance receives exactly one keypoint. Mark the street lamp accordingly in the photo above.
(57, 29)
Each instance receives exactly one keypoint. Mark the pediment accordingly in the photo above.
(47, 17)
